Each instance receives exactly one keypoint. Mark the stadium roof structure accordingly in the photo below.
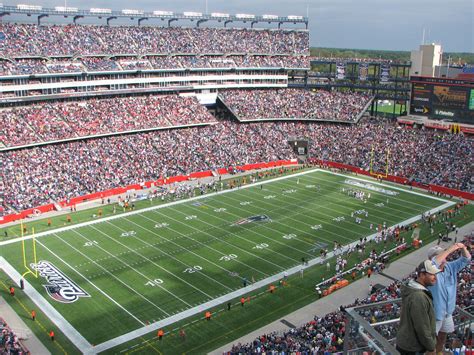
(141, 15)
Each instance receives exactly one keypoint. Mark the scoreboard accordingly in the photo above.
(442, 99)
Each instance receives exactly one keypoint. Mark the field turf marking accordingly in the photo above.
(159, 266)
(140, 273)
(173, 203)
(183, 248)
(111, 274)
(233, 245)
(205, 245)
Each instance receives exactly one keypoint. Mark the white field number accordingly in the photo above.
(91, 243)
(128, 234)
(339, 219)
(261, 246)
(310, 186)
(218, 210)
(192, 269)
(316, 227)
(289, 236)
(161, 225)
(269, 197)
(154, 282)
(188, 218)
(228, 257)
(291, 191)
(245, 203)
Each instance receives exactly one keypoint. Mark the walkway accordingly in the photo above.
(19, 327)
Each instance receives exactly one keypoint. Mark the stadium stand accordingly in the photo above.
(49, 121)
(9, 342)
(93, 64)
(294, 104)
(56, 40)
(56, 172)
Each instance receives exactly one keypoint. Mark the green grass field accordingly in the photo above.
(165, 265)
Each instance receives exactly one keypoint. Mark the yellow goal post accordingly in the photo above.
(379, 174)
(26, 255)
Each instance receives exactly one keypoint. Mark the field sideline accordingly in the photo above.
(143, 270)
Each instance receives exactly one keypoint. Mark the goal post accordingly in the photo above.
(29, 254)
(379, 174)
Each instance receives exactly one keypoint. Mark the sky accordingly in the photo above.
(361, 24)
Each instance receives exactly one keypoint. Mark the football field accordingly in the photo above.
(117, 278)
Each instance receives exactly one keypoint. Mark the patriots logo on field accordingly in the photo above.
(59, 287)
(252, 219)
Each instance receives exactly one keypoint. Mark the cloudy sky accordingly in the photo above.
(365, 24)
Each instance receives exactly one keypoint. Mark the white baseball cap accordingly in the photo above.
(428, 267)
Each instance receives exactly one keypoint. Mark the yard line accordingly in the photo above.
(263, 225)
(345, 203)
(369, 208)
(205, 245)
(289, 216)
(110, 273)
(189, 251)
(176, 259)
(294, 228)
(173, 203)
(85, 278)
(351, 202)
(319, 212)
(235, 294)
(378, 195)
(140, 273)
(389, 187)
(239, 237)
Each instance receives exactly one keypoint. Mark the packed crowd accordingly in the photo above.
(251, 104)
(40, 175)
(90, 64)
(57, 40)
(327, 334)
(49, 121)
(9, 342)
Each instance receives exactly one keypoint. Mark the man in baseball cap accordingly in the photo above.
(417, 330)
(444, 290)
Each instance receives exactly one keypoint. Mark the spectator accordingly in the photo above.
(444, 291)
(417, 330)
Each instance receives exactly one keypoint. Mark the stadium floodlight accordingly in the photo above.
(66, 9)
(270, 17)
(294, 17)
(132, 12)
(219, 14)
(96, 10)
(29, 7)
(245, 16)
(192, 14)
(163, 13)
